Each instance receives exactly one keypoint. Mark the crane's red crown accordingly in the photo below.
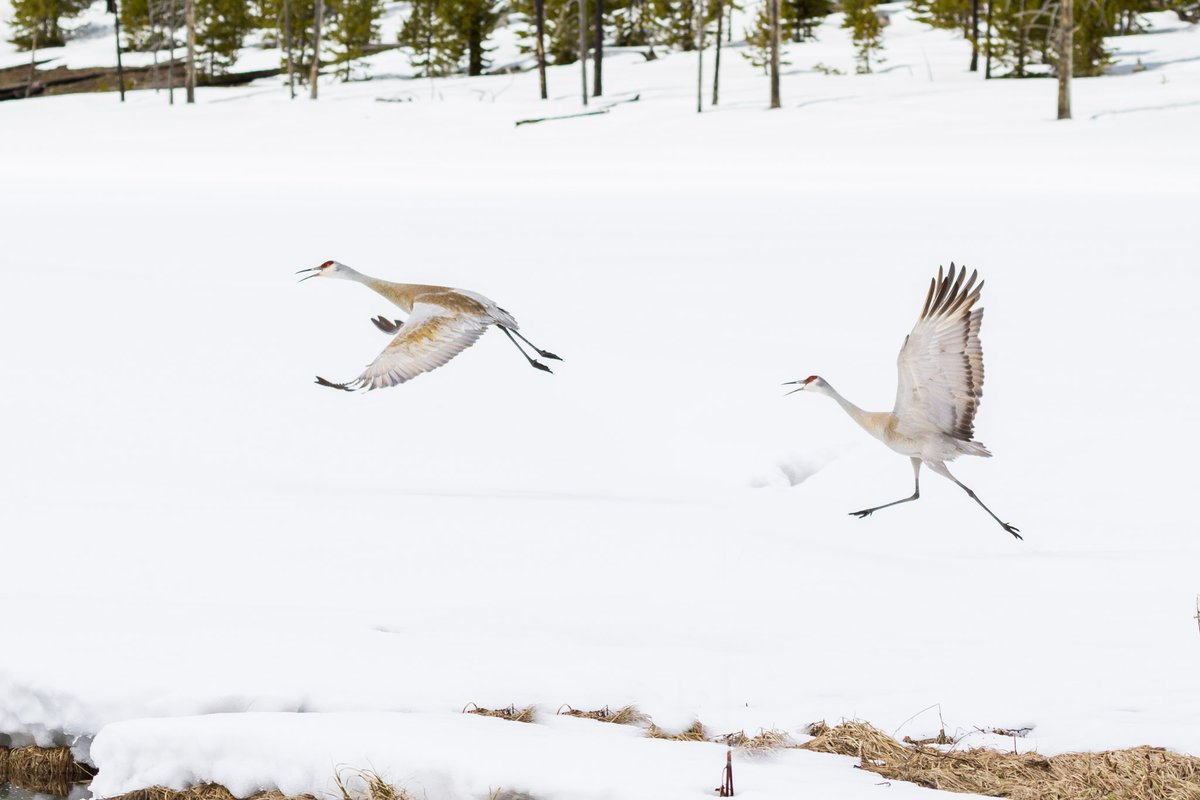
(809, 379)
(326, 264)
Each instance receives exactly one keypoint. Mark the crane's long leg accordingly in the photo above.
(540, 351)
(866, 512)
(941, 469)
(532, 362)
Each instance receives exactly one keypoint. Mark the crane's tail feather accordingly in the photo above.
(973, 449)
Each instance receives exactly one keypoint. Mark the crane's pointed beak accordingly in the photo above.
(803, 384)
(314, 270)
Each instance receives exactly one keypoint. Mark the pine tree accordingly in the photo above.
(946, 14)
(221, 28)
(42, 20)
(801, 17)
(758, 40)
(437, 48)
(356, 27)
(866, 31)
(562, 30)
(474, 22)
(675, 23)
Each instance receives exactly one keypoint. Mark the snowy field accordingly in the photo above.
(197, 542)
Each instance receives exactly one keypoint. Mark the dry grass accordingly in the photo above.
(625, 715)
(1142, 773)
(510, 713)
(203, 791)
(372, 786)
(763, 742)
(52, 770)
(695, 733)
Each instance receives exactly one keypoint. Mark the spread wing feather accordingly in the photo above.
(941, 363)
(430, 337)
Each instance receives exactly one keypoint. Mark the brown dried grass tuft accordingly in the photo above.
(510, 713)
(373, 786)
(695, 733)
(1141, 773)
(52, 770)
(763, 742)
(625, 715)
(203, 791)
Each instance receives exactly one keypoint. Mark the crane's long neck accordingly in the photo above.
(866, 419)
(401, 294)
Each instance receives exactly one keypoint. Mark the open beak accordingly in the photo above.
(314, 270)
(803, 384)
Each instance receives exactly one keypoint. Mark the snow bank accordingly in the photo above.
(453, 756)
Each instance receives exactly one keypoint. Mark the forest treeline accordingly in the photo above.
(444, 37)
(1003, 38)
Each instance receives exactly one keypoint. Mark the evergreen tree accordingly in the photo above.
(801, 17)
(475, 21)
(866, 31)
(1019, 32)
(436, 47)
(221, 28)
(946, 14)
(356, 27)
(758, 40)
(41, 20)
(562, 30)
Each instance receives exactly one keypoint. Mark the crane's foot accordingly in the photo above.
(540, 365)
(866, 512)
(1012, 529)
(344, 387)
(548, 354)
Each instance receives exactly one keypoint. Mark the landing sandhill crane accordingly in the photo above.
(442, 322)
(941, 381)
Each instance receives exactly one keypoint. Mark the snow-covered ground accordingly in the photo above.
(197, 542)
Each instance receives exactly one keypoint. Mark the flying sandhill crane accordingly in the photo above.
(441, 323)
(941, 381)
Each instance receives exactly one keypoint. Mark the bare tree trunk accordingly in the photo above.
(583, 45)
(987, 70)
(32, 64)
(153, 47)
(287, 40)
(1066, 45)
(316, 58)
(120, 70)
(717, 61)
(774, 53)
(539, 8)
(171, 52)
(699, 56)
(598, 53)
(190, 77)
(729, 26)
(974, 35)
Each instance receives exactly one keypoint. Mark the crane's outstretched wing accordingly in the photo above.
(431, 336)
(941, 362)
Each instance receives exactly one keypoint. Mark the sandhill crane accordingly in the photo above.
(442, 322)
(941, 381)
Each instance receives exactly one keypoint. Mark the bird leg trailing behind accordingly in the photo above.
(533, 362)
(916, 464)
(943, 470)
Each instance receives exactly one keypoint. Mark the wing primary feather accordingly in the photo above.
(938, 295)
(928, 298)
